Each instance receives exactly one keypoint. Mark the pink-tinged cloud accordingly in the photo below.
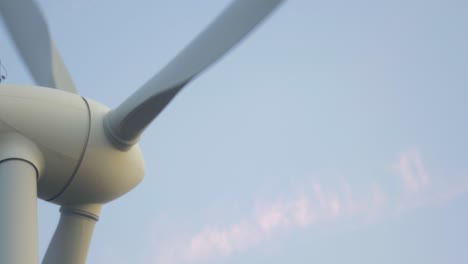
(265, 222)
(410, 169)
(330, 204)
(302, 213)
(308, 207)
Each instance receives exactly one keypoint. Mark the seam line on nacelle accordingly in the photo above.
(83, 151)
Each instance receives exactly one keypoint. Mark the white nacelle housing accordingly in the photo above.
(81, 165)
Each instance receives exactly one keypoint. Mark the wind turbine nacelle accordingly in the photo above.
(80, 164)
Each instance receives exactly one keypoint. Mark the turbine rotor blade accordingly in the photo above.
(125, 124)
(30, 33)
(72, 237)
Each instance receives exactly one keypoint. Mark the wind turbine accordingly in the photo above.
(73, 151)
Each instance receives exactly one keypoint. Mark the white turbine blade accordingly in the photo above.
(125, 123)
(72, 237)
(30, 33)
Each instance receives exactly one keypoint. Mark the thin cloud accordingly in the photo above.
(410, 169)
(265, 222)
(309, 206)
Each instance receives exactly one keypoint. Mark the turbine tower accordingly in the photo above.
(73, 151)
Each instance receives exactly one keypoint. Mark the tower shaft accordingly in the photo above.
(18, 212)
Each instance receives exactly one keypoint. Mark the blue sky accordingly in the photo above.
(336, 133)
